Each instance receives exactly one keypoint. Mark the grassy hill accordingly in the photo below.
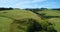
(10, 19)
(50, 12)
(23, 21)
(53, 18)
(5, 24)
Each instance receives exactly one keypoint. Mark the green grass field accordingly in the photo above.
(50, 12)
(5, 24)
(9, 16)
(56, 20)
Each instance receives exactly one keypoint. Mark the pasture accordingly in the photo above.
(53, 18)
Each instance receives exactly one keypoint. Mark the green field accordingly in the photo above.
(9, 16)
(5, 24)
(50, 12)
(54, 20)
(11, 19)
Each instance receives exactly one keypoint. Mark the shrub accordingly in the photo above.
(31, 25)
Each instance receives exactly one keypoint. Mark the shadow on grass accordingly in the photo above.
(47, 17)
(33, 27)
(37, 27)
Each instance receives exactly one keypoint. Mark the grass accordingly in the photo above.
(50, 12)
(56, 20)
(10, 19)
(5, 24)
(18, 14)
(9, 16)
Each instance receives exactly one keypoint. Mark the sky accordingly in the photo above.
(30, 3)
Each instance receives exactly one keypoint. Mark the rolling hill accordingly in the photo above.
(11, 19)
(54, 17)
(23, 21)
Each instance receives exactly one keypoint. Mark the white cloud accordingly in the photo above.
(29, 1)
(48, 5)
(38, 1)
(26, 3)
(19, 2)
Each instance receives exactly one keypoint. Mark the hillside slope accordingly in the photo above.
(23, 21)
(50, 12)
(10, 20)
(53, 17)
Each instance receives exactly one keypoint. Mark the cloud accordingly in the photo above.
(48, 5)
(27, 3)
(18, 2)
(32, 3)
(35, 4)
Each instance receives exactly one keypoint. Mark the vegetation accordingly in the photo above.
(1, 9)
(52, 16)
(29, 20)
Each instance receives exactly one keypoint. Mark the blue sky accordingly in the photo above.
(30, 3)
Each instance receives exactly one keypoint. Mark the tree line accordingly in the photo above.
(30, 9)
(41, 9)
(6, 8)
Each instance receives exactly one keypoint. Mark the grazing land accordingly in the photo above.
(29, 21)
(52, 18)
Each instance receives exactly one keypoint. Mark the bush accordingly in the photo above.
(32, 25)
(6, 8)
